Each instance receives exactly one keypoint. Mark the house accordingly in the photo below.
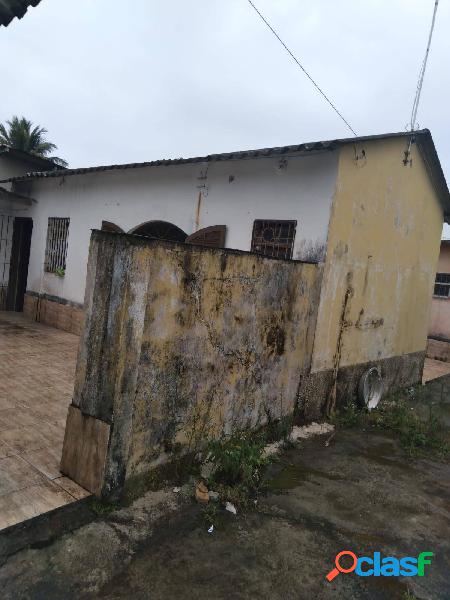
(15, 225)
(440, 305)
(439, 327)
(370, 209)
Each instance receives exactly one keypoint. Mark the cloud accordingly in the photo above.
(117, 81)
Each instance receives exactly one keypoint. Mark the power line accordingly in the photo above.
(301, 67)
(422, 71)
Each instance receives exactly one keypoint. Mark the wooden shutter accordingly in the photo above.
(111, 227)
(213, 237)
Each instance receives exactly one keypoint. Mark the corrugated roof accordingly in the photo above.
(239, 155)
(422, 138)
(14, 8)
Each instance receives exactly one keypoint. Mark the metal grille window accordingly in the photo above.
(56, 249)
(442, 285)
(274, 238)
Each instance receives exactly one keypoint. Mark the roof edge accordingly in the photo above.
(38, 160)
(422, 137)
(327, 145)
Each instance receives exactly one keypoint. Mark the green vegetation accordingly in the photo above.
(211, 515)
(22, 135)
(238, 463)
(238, 459)
(417, 435)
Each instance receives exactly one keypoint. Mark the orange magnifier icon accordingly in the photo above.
(339, 568)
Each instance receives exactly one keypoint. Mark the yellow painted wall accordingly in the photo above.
(383, 245)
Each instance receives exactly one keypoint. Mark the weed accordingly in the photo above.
(409, 595)
(210, 514)
(416, 435)
(349, 416)
(238, 463)
(238, 460)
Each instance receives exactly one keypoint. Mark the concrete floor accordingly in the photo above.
(37, 365)
(361, 493)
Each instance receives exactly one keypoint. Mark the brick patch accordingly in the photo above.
(56, 314)
(438, 350)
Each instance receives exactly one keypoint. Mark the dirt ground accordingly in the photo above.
(361, 493)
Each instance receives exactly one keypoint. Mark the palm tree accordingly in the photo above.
(21, 134)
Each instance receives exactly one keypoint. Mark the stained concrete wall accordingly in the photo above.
(383, 245)
(182, 344)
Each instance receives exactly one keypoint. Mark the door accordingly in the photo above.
(6, 231)
(18, 268)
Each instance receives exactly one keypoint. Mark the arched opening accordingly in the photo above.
(160, 230)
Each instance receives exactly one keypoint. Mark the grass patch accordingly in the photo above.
(418, 436)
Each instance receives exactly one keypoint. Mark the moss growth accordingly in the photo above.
(173, 473)
(103, 507)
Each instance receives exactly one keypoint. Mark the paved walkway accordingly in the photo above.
(37, 365)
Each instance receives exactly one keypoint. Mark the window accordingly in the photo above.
(274, 238)
(56, 249)
(442, 285)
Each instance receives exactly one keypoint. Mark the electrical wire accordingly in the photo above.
(291, 54)
(422, 71)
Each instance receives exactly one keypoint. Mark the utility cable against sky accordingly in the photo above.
(302, 68)
(422, 71)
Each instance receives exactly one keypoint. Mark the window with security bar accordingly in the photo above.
(442, 285)
(274, 238)
(56, 249)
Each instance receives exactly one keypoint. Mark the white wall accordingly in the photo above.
(259, 190)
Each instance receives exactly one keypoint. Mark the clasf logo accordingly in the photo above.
(376, 566)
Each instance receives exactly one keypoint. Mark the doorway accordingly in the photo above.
(18, 263)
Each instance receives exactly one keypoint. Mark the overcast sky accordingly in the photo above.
(119, 81)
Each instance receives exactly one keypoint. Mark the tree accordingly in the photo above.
(22, 135)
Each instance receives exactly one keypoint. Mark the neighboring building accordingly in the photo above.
(15, 225)
(370, 208)
(440, 305)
